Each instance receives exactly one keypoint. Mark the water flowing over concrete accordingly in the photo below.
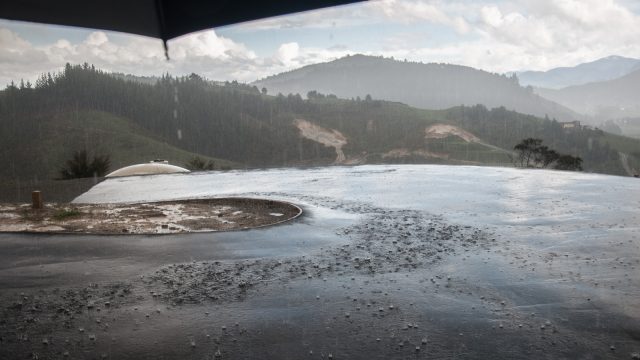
(386, 262)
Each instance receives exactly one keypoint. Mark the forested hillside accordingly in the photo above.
(426, 86)
(598, 149)
(85, 108)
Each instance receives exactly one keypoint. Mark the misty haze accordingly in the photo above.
(381, 180)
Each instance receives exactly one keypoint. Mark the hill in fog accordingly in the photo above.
(427, 86)
(604, 69)
(610, 99)
(237, 125)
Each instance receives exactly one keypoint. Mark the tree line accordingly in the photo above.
(530, 153)
(245, 124)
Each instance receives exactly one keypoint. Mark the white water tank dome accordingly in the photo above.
(153, 167)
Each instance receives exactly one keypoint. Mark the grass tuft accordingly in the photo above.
(63, 214)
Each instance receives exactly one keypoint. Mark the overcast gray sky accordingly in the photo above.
(497, 36)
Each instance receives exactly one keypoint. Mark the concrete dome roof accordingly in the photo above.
(147, 169)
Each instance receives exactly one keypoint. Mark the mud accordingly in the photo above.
(327, 137)
(166, 217)
(441, 131)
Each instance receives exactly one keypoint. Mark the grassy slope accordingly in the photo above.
(631, 130)
(621, 143)
(44, 152)
(627, 145)
(394, 126)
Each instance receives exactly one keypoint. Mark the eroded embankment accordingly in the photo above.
(327, 137)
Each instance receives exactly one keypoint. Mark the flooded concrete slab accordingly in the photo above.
(387, 262)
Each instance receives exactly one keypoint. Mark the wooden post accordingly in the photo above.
(36, 199)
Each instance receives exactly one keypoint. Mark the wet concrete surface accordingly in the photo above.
(387, 262)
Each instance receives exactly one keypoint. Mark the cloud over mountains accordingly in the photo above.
(497, 36)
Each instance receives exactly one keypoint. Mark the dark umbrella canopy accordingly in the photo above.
(163, 19)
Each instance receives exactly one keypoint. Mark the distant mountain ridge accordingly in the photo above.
(427, 86)
(610, 99)
(604, 69)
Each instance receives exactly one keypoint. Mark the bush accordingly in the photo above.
(79, 166)
(198, 164)
(568, 162)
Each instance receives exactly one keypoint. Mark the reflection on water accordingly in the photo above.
(465, 194)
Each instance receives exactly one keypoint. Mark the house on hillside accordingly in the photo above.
(571, 125)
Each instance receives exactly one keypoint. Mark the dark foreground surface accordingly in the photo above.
(401, 262)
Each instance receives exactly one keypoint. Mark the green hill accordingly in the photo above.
(175, 118)
(41, 151)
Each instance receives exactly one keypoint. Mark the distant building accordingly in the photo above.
(571, 125)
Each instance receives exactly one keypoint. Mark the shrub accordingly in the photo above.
(79, 166)
(199, 164)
